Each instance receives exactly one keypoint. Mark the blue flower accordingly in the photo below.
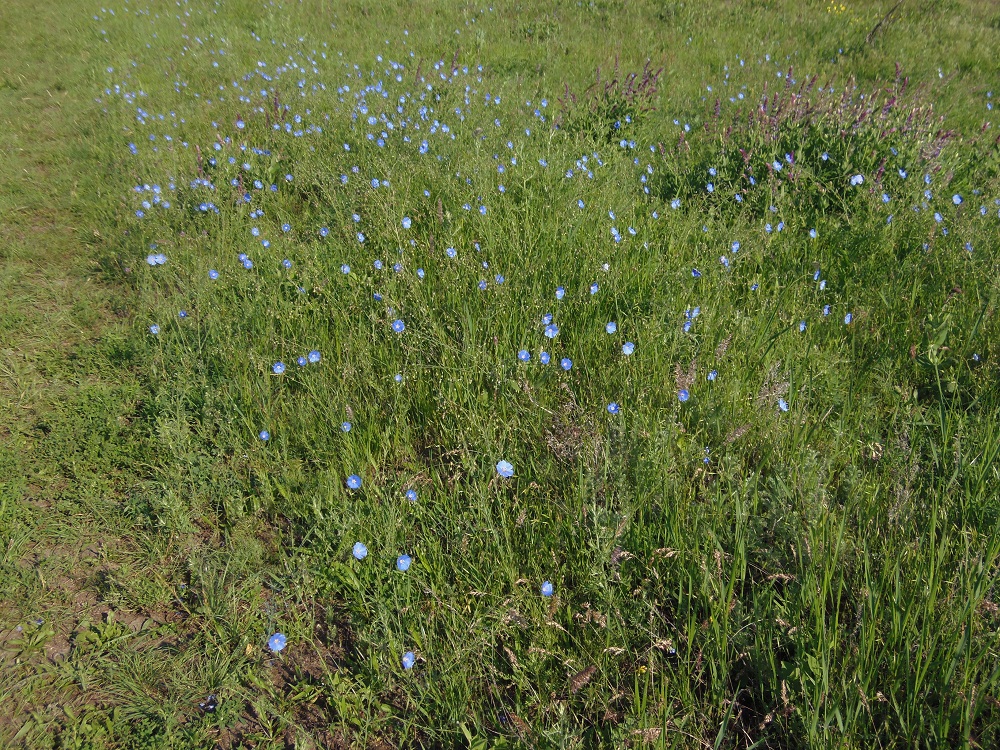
(611, 327)
(551, 330)
(411, 495)
(323, 231)
(696, 273)
(409, 660)
(826, 309)
(505, 469)
(580, 203)
(627, 348)
(544, 358)
(398, 377)
(264, 435)
(354, 481)
(403, 563)
(345, 427)
(683, 395)
(524, 355)
(213, 274)
(154, 329)
(560, 292)
(802, 326)
(420, 273)
(314, 356)
(713, 375)
(398, 326)
(857, 179)
(957, 199)
(546, 319)
(547, 589)
(451, 252)
(406, 222)
(345, 269)
(183, 313)
(498, 278)
(277, 642)
(848, 318)
(286, 227)
(782, 404)
(613, 408)
(566, 363)
(594, 288)
(675, 203)
(812, 233)
(482, 285)
(301, 361)
(359, 551)
(286, 263)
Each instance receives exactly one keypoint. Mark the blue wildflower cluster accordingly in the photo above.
(333, 203)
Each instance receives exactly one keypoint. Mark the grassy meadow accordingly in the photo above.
(550, 375)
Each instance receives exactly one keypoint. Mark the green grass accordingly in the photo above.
(828, 578)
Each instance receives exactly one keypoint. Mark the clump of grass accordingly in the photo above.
(806, 135)
(612, 107)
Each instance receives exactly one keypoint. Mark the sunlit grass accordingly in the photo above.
(781, 534)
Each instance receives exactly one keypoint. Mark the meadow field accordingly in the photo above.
(499, 375)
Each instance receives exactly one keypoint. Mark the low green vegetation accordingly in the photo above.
(575, 375)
